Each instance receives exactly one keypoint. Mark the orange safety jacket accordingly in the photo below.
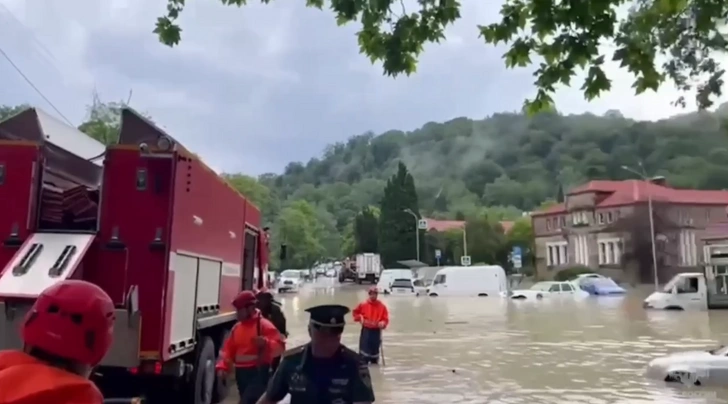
(371, 313)
(240, 348)
(26, 380)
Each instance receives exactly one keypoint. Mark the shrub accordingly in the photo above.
(571, 273)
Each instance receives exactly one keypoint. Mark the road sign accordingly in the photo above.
(422, 224)
(438, 254)
(465, 260)
(516, 257)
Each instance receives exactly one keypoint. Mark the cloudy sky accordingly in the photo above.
(252, 89)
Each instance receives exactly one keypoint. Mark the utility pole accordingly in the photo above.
(650, 210)
(417, 230)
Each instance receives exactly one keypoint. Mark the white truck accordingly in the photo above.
(368, 268)
(685, 291)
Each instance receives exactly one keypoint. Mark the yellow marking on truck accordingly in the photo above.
(149, 355)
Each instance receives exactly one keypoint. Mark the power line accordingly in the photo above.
(30, 82)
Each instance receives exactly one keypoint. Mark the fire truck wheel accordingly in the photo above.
(222, 385)
(204, 380)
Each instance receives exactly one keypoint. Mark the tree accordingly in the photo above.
(396, 226)
(637, 241)
(103, 120)
(7, 111)
(563, 36)
(258, 193)
(521, 235)
(299, 229)
(486, 241)
(366, 230)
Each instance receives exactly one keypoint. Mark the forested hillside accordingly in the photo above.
(507, 160)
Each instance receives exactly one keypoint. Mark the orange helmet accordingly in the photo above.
(73, 320)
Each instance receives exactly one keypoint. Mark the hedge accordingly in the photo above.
(571, 273)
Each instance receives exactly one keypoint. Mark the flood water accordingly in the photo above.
(494, 350)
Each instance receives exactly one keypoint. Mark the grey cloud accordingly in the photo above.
(259, 87)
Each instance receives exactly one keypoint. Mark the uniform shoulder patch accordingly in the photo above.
(293, 351)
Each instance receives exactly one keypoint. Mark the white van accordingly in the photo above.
(686, 291)
(389, 275)
(480, 280)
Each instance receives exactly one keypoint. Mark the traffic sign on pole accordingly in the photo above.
(438, 254)
(465, 260)
(422, 224)
(516, 257)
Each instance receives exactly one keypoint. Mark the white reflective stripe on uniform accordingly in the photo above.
(245, 358)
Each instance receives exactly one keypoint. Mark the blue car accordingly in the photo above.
(601, 286)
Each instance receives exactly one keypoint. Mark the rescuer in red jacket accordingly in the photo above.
(374, 317)
(253, 345)
(66, 333)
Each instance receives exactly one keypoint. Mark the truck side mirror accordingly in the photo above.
(283, 252)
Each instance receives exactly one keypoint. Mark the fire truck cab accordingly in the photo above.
(167, 238)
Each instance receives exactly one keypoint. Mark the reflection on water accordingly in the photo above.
(493, 350)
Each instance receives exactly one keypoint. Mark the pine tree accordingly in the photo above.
(396, 226)
(560, 194)
(366, 231)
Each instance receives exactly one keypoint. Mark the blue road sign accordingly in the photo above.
(516, 257)
(517, 251)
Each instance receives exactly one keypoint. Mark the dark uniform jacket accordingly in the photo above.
(343, 379)
(275, 315)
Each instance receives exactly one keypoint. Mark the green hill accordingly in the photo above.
(507, 160)
(502, 165)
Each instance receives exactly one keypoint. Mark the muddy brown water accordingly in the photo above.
(494, 350)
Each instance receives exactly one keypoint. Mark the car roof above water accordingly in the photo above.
(447, 270)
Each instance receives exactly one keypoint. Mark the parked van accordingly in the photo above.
(686, 291)
(389, 275)
(479, 280)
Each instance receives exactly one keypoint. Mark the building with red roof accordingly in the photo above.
(445, 225)
(583, 230)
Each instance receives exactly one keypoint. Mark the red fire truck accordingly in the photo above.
(166, 237)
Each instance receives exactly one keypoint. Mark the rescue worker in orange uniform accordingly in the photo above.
(374, 317)
(65, 334)
(253, 344)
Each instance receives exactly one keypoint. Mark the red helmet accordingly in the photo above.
(72, 320)
(245, 298)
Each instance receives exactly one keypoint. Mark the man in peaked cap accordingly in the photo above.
(323, 370)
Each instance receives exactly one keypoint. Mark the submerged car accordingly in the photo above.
(291, 280)
(601, 286)
(694, 368)
(544, 289)
(401, 287)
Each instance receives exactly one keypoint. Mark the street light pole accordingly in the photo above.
(652, 222)
(417, 231)
(465, 241)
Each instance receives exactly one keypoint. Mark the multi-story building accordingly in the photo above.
(602, 223)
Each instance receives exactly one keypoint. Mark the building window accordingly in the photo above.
(548, 224)
(707, 215)
(580, 218)
(581, 249)
(600, 217)
(610, 217)
(563, 221)
(688, 248)
(610, 251)
(556, 253)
